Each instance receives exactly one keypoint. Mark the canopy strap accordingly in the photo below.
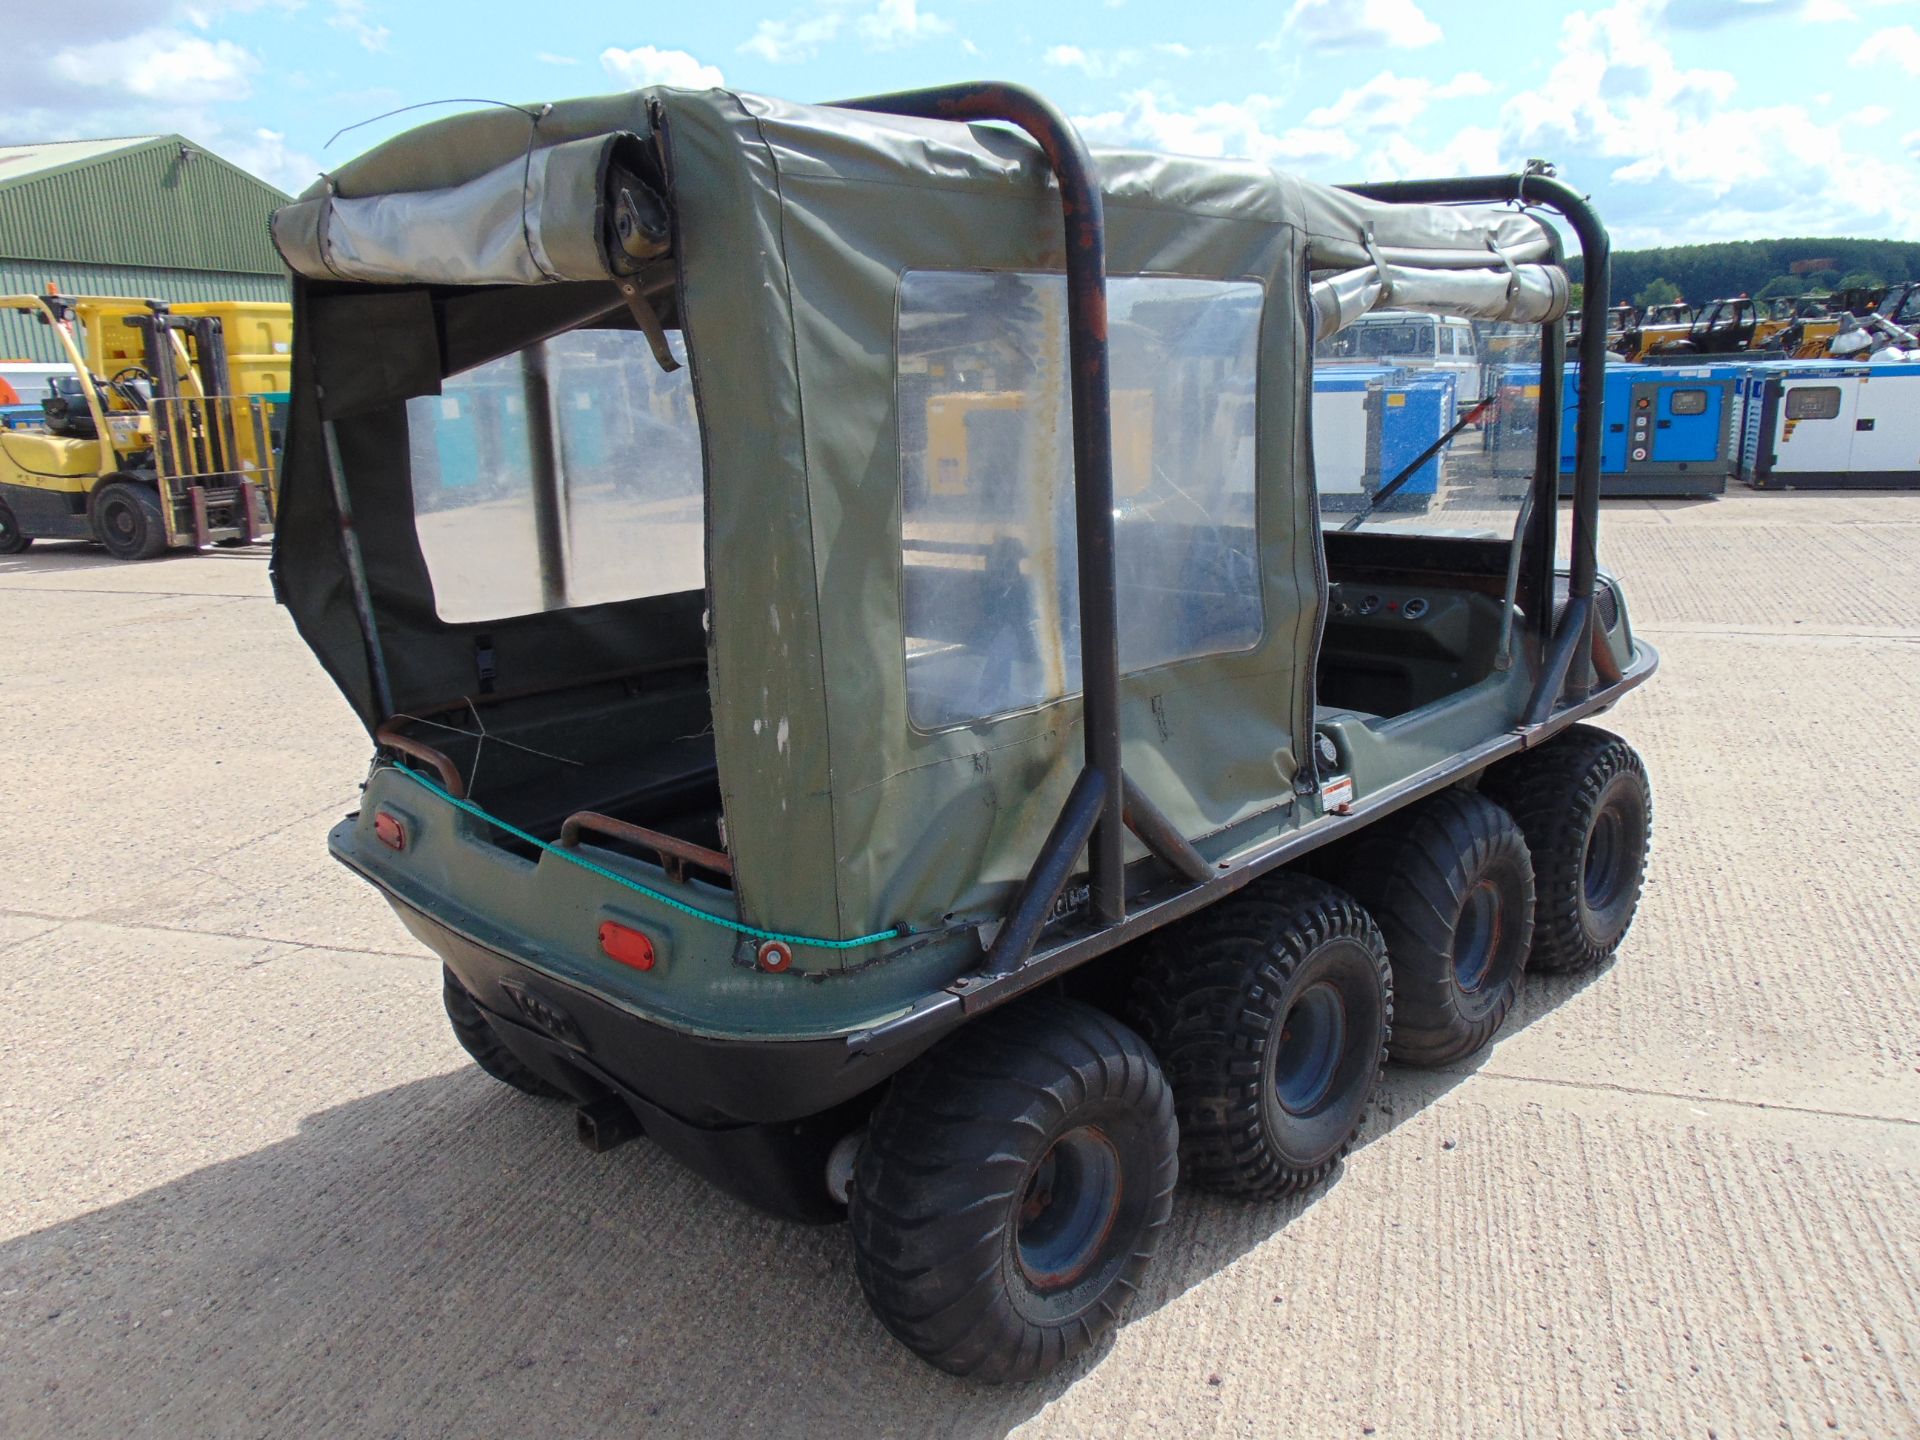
(1513, 271)
(648, 320)
(1380, 269)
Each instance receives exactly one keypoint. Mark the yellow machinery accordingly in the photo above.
(163, 435)
(951, 419)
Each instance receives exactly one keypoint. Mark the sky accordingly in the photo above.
(1687, 120)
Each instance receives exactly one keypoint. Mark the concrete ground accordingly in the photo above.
(251, 1187)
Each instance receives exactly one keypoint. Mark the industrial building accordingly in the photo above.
(151, 216)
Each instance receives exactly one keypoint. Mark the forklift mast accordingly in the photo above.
(206, 489)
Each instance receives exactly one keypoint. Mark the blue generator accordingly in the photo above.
(1371, 422)
(1670, 429)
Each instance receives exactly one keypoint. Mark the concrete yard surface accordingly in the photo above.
(252, 1187)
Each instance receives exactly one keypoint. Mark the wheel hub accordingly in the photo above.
(1604, 867)
(1476, 938)
(1067, 1208)
(1313, 1037)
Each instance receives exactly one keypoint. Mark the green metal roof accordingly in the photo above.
(24, 338)
(160, 202)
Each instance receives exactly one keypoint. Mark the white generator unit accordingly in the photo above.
(1831, 425)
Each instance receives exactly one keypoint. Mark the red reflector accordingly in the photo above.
(389, 830)
(627, 945)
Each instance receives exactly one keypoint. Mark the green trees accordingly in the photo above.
(1658, 292)
(1704, 273)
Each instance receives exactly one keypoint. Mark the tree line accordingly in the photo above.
(1699, 273)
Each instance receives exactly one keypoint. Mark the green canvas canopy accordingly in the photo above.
(871, 310)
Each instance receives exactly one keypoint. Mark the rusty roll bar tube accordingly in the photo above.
(390, 737)
(1086, 250)
(1542, 536)
(1040, 891)
(1570, 661)
(675, 854)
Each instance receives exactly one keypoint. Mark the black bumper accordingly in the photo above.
(756, 1117)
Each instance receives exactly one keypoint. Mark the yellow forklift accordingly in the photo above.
(164, 433)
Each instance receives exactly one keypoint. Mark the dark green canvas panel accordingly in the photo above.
(793, 226)
(996, 785)
(768, 675)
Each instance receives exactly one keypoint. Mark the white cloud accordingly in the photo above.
(1103, 63)
(1356, 25)
(1672, 152)
(1712, 14)
(546, 57)
(893, 23)
(644, 65)
(1390, 102)
(149, 65)
(787, 42)
(886, 25)
(351, 16)
(1897, 45)
(1254, 129)
(266, 154)
(1096, 63)
(1246, 130)
(1684, 160)
(125, 78)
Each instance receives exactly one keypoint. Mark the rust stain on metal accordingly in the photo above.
(391, 737)
(675, 854)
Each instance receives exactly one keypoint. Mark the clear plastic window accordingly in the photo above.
(1376, 425)
(1813, 402)
(1689, 402)
(598, 499)
(990, 598)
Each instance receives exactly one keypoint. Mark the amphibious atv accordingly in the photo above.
(863, 694)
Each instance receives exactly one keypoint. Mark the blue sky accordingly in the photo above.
(1688, 119)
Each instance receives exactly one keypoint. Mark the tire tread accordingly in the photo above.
(1195, 997)
(1551, 792)
(928, 1237)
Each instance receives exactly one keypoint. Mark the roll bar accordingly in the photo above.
(1569, 668)
(1093, 814)
(1103, 801)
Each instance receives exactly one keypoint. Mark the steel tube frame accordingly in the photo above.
(549, 518)
(1574, 637)
(1095, 810)
(356, 566)
(1543, 536)
(1040, 891)
(1086, 265)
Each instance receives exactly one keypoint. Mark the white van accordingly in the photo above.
(1416, 342)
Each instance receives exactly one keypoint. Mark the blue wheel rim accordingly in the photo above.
(1067, 1208)
(1604, 869)
(1476, 938)
(1313, 1038)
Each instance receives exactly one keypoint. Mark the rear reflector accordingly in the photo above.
(627, 945)
(388, 829)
